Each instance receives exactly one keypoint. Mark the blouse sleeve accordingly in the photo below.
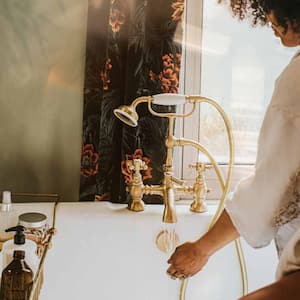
(289, 261)
(257, 198)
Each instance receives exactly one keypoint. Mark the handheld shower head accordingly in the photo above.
(127, 114)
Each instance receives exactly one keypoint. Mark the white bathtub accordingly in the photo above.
(103, 251)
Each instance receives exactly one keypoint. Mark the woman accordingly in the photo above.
(265, 205)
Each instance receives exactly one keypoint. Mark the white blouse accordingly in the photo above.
(267, 199)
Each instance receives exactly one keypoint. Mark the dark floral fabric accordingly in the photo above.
(133, 49)
(89, 161)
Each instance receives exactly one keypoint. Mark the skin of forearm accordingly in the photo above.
(222, 233)
(286, 288)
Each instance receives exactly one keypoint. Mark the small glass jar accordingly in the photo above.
(36, 227)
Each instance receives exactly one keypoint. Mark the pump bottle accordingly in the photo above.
(20, 243)
(17, 279)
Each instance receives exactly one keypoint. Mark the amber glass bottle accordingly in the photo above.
(17, 279)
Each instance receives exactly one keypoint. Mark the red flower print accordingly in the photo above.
(89, 161)
(138, 154)
(169, 76)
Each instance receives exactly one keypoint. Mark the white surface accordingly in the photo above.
(261, 265)
(103, 251)
(7, 219)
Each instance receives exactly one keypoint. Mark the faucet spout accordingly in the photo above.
(169, 215)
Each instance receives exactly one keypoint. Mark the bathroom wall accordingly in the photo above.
(42, 49)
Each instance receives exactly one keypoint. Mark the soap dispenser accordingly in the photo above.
(8, 216)
(20, 243)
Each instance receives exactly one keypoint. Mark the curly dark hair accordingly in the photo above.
(285, 11)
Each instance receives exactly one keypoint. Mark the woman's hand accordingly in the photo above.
(187, 260)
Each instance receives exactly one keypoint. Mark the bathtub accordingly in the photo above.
(104, 251)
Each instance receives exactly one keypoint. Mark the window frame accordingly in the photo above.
(190, 127)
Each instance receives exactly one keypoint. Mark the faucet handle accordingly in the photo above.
(137, 165)
(200, 188)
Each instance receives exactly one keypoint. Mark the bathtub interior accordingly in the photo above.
(104, 251)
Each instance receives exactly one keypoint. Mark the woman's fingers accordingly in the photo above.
(187, 260)
(174, 274)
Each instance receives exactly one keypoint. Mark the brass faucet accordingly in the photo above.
(172, 186)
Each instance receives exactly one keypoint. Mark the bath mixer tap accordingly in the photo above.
(137, 189)
(172, 186)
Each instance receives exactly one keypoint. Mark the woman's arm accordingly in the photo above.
(190, 257)
(287, 288)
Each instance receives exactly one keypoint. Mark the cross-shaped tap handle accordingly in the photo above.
(137, 165)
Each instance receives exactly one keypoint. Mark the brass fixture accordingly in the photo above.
(128, 114)
(171, 185)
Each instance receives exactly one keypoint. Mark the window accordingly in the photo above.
(236, 65)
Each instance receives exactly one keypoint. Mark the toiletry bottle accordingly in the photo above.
(20, 243)
(17, 279)
(8, 216)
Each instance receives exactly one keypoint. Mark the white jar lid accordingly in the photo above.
(33, 220)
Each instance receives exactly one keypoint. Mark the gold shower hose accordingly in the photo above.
(225, 188)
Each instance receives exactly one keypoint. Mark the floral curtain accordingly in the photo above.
(133, 49)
